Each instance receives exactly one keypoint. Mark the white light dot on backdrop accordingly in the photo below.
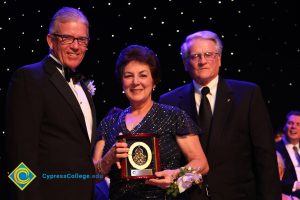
(8, 69)
(233, 35)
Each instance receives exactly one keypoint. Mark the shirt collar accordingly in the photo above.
(212, 86)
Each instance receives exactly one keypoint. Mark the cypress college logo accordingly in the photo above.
(22, 176)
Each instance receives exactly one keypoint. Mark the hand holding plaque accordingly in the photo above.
(143, 156)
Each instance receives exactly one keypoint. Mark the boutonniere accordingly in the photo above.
(90, 86)
(187, 177)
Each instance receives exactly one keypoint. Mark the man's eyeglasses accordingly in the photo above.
(209, 56)
(68, 39)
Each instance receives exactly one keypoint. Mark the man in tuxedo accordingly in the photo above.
(51, 117)
(237, 138)
(288, 147)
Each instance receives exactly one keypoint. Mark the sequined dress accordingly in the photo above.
(163, 120)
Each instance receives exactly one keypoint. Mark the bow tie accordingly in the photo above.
(70, 74)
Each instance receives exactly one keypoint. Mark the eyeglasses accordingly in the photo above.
(68, 39)
(209, 56)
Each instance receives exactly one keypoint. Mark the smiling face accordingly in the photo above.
(137, 82)
(70, 55)
(202, 70)
(292, 129)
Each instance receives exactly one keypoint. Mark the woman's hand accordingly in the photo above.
(164, 178)
(119, 150)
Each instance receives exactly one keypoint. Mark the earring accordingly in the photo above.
(153, 88)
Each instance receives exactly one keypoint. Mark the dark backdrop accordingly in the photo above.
(261, 44)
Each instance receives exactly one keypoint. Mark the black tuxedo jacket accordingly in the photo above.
(240, 146)
(289, 176)
(46, 130)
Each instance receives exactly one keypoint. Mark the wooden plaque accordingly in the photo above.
(143, 157)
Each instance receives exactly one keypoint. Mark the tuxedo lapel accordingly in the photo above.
(223, 105)
(64, 89)
(187, 102)
(90, 99)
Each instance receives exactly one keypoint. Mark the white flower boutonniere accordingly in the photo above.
(90, 86)
(185, 179)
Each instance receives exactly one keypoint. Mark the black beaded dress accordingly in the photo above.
(163, 120)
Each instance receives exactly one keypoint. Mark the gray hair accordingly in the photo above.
(67, 14)
(208, 35)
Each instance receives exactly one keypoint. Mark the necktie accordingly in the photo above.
(205, 114)
(297, 154)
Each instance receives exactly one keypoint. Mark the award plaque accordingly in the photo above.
(143, 156)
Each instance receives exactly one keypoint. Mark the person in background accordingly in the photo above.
(137, 68)
(288, 147)
(51, 118)
(281, 168)
(237, 140)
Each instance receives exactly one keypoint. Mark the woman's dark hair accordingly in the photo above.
(140, 54)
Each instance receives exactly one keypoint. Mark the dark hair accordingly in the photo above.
(293, 112)
(140, 54)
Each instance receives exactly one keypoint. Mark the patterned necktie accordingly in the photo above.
(205, 114)
(297, 154)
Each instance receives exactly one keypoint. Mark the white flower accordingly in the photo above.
(186, 181)
(187, 177)
(90, 86)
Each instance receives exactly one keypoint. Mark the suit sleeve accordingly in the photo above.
(268, 187)
(23, 117)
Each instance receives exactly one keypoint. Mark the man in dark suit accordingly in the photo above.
(286, 147)
(51, 117)
(238, 141)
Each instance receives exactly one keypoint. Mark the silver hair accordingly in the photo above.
(208, 35)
